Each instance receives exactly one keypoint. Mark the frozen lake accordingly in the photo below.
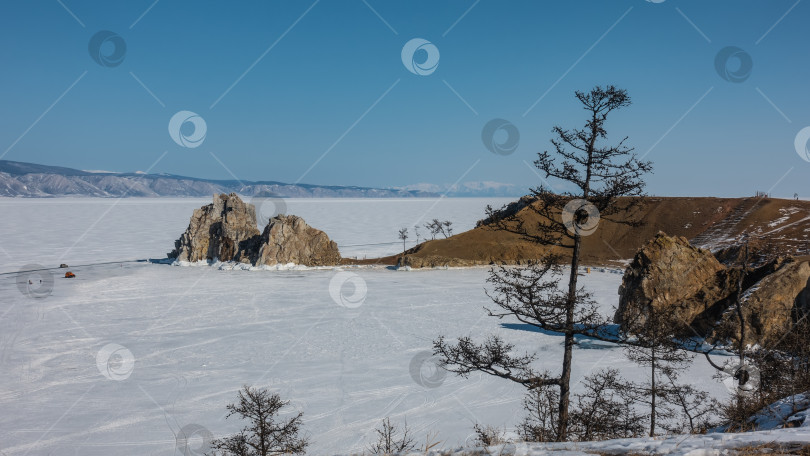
(86, 230)
(124, 356)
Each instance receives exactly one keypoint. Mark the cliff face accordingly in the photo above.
(226, 231)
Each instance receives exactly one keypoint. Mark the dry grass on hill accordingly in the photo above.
(778, 224)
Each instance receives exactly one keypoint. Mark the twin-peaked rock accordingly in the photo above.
(226, 230)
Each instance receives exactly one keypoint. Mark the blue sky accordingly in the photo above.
(285, 85)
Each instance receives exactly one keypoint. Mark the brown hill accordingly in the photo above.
(775, 225)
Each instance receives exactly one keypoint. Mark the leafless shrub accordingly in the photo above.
(389, 441)
(784, 372)
(265, 434)
(540, 423)
(697, 410)
(606, 409)
(486, 435)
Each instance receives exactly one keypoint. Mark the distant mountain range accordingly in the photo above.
(471, 188)
(19, 179)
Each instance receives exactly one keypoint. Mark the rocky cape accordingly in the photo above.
(226, 230)
(670, 275)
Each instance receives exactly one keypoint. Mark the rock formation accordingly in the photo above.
(226, 231)
(435, 261)
(288, 239)
(668, 274)
(770, 309)
(509, 210)
(217, 231)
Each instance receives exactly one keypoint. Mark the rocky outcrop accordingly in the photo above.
(218, 231)
(288, 239)
(435, 261)
(757, 253)
(509, 210)
(671, 276)
(773, 305)
(226, 231)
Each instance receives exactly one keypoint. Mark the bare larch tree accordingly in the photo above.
(655, 346)
(608, 182)
(403, 234)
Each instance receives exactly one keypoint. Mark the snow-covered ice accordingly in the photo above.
(51, 231)
(123, 357)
